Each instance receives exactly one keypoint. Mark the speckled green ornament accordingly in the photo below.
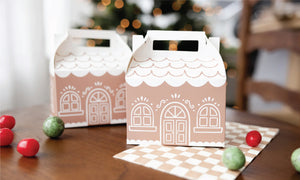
(53, 127)
(233, 158)
(295, 159)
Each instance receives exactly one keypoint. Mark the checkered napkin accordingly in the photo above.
(199, 162)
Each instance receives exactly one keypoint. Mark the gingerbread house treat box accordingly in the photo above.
(176, 97)
(88, 83)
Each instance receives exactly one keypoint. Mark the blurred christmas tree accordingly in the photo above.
(127, 17)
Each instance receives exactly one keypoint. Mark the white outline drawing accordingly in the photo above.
(120, 101)
(70, 104)
(99, 100)
(210, 114)
(175, 118)
(142, 118)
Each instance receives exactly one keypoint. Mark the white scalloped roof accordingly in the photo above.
(96, 60)
(175, 68)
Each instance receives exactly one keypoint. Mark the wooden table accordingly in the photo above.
(87, 153)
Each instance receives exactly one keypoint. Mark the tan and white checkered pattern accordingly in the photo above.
(199, 162)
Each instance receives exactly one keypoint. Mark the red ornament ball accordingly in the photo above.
(253, 138)
(6, 137)
(7, 121)
(28, 147)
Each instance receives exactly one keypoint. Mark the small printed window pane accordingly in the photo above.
(147, 120)
(137, 111)
(74, 106)
(66, 107)
(213, 112)
(74, 98)
(137, 121)
(66, 98)
(203, 121)
(203, 112)
(146, 111)
(214, 121)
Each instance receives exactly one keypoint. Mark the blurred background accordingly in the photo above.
(260, 40)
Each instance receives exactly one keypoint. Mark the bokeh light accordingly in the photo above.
(196, 8)
(120, 30)
(90, 23)
(136, 24)
(100, 7)
(176, 6)
(188, 27)
(90, 43)
(157, 12)
(124, 23)
(206, 29)
(119, 4)
(106, 2)
(173, 45)
(98, 27)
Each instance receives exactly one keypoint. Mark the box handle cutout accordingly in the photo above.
(94, 38)
(89, 42)
(175, 45)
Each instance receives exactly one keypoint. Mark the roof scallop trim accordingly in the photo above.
(176, 67)
(79, 60)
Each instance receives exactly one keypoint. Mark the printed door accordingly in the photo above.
(104, 113)
(99, 111)
(175, 125)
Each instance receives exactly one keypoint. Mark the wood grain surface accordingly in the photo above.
(87, 153)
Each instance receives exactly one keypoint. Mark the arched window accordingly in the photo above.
(208, 118)
(70, 104)
(142, 118)
(120, 103)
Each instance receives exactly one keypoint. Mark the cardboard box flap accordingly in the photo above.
(73, 57)
(155, 67)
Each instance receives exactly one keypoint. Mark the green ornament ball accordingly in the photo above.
(233, 158)
(295, 159)
(53, 127)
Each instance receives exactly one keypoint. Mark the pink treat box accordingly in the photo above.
(88, 83)
(176, 97)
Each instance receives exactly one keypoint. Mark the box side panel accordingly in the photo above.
(91, 100)
(53, 96)
(171, 115)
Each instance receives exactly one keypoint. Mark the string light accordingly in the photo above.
(217, 9)
(209, 11)
(120, 30)
(231, 73)
(136, 24)
(119, 4)
(98, 27)
(226, 65)
(206, 29)
(91, 23)
(235, 107)
(173, 45)
(187, 27)
(196, 8)
(157, 12)
(90, 43)
(100, 7)
(124, 23)
(181, 1)
(98, 41)
(176, 6)
(106, 2)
